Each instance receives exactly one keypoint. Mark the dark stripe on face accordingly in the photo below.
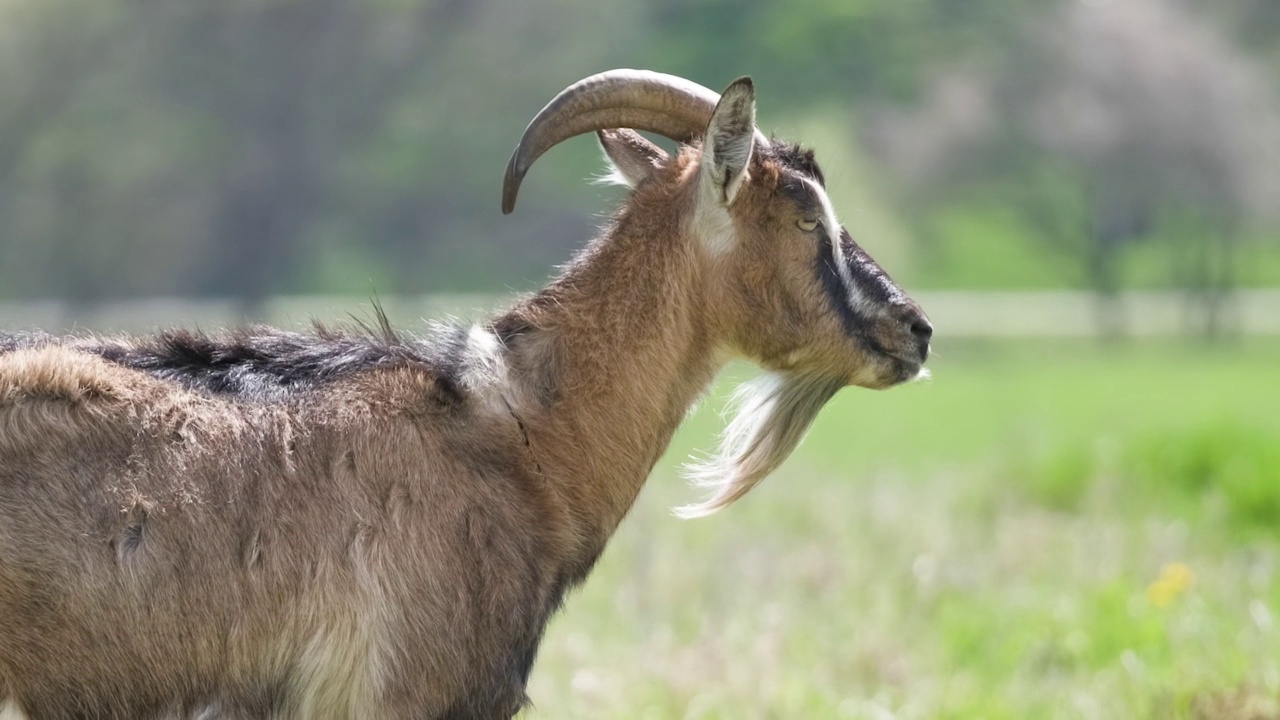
(872, 281)
(836, 291)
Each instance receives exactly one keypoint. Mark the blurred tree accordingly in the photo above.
(1258, 23)
(816, 51)
(294, 87)
(249, 147)
(216, 147)
(1112, 123)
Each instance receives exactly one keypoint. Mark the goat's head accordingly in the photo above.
(787, 286)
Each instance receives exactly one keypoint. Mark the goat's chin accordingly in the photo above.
(908, 372)
(889, 372)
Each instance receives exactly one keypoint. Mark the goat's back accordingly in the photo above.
(165, 549)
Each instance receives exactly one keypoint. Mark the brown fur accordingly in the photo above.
(284, 559)
(375, 546)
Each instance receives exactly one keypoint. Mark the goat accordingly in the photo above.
(346, 524)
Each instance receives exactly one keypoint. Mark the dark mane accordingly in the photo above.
(797, 158)
(11, 340)
(265, 364)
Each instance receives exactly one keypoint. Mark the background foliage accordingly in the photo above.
(250, 147)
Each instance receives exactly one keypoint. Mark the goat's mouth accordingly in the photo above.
(905, 370)
(887, 370)
(907, 357)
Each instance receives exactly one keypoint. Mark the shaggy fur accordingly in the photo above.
(771, 415)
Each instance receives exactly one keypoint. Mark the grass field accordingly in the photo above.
(1043, 530)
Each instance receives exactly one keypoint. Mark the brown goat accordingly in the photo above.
(369, 525)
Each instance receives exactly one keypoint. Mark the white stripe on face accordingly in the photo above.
(832, 224)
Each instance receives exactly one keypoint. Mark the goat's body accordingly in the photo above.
(274, 525)
(168, 548)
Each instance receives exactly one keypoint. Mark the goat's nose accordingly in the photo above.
(921, 329)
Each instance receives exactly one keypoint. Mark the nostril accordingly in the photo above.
(922, 329)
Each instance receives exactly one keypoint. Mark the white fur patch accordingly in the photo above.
(485, 370)
(713, 227)
(832, 224)
(9, 710)
(484, 345)
(333, 678)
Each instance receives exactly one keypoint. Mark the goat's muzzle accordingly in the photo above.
(906, 333)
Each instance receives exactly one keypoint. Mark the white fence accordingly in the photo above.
(954, 314)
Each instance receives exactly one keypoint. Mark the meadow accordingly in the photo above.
(1043, 530)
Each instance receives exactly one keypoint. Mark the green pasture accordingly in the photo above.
(1043, 530)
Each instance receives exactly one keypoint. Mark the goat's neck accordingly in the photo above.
(609, 359)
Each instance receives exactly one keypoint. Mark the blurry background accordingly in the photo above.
(1080, 517)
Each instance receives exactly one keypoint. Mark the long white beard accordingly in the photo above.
(771, 416)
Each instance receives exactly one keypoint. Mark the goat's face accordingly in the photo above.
(790, 287)
(801, 295)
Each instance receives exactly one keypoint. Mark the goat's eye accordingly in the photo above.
(807, 225)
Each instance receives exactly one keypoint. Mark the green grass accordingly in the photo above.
(989, 544)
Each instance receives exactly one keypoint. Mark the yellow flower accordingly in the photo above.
(1175, 579)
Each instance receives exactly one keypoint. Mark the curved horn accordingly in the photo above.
(639, 99)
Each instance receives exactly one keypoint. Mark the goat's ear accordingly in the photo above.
(730, 138)
(633, 157)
